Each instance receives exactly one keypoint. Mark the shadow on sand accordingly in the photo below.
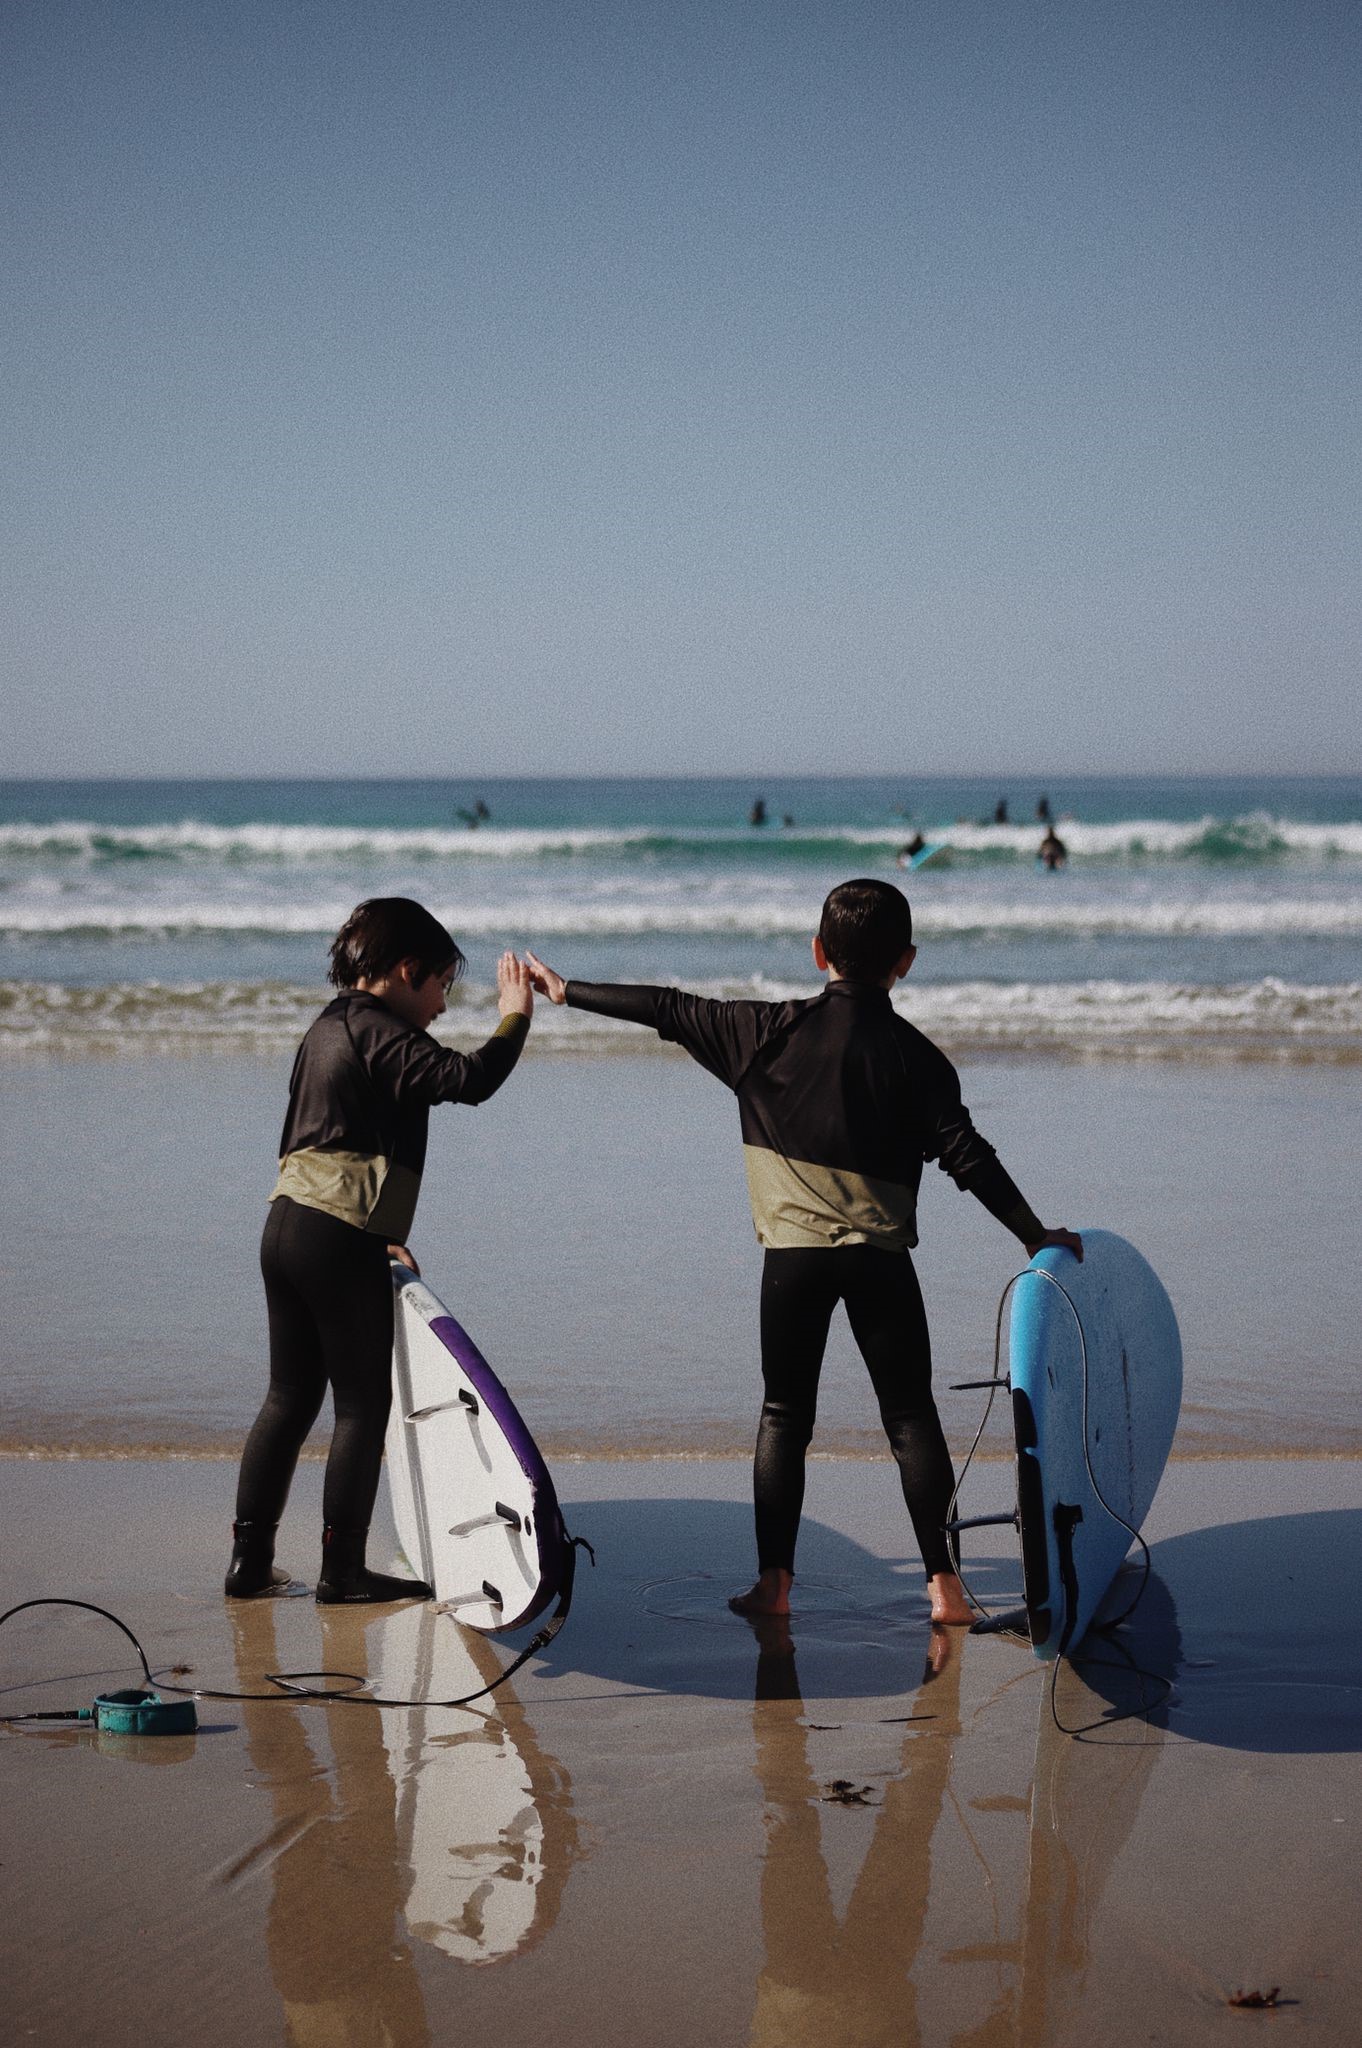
(654, 1614)
(1253, 1621)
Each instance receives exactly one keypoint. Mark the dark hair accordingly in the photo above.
(386, 929)
(866, 928)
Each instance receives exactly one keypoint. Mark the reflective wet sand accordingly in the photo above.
(673, 1827)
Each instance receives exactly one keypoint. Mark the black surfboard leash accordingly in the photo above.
(351, 1687)
(292, 1686)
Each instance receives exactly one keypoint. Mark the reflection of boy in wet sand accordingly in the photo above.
(846, 1981)
(336, 1954)
(841, 1102)
(482, 1880)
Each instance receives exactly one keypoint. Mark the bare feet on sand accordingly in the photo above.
(950, 1608)
(770, 1595)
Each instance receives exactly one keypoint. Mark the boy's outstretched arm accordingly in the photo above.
(636, 1003)
(721, 1036)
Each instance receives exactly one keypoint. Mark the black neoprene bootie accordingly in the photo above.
(252, 1569)
(345, 1576)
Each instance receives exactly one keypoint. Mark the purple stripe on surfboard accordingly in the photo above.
(548, 1521)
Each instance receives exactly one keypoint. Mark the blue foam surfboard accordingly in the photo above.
(926, 853)
(1111, 1424)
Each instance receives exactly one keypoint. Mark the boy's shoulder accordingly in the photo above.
(924, 1055)
(356, 1017)
(923, 1060)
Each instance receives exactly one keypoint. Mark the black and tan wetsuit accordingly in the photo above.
(354, 1145)
(841, 1102)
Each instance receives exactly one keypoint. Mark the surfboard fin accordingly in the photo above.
(1011, 1621)
(501, 1516)
(466, 1401)
(485, 1595)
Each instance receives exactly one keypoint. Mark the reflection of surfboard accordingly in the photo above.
(484, 1818)
(1085, 1800)
(474, 1505)
(1111, 1314)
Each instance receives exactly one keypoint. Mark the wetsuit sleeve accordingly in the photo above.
(722, 1037)
(410, 1067)
(958, 1149)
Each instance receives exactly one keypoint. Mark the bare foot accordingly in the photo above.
(770, 1595)
(950, 1608)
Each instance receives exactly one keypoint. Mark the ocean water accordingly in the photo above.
(1195, 918)
(1162, 1038)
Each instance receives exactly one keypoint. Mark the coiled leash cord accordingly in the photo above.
(350, 1687)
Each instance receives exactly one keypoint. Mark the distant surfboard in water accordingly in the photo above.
(923, 854)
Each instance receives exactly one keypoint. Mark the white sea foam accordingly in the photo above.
(76, 838)
(716, 912)
(1267, 1018)
(1217, 841)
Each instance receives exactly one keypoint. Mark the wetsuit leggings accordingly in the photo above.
(799, 1291)
(329, 1293)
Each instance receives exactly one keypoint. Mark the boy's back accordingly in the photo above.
(840, 1101)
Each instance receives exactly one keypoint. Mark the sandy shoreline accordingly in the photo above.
(643, 1842)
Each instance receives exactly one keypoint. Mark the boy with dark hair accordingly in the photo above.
(364, 1082)
(841, 1101)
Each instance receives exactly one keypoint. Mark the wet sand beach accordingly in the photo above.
(670, 1828)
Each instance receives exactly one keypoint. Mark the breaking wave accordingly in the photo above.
(1217, 842)
(1166, 1020)
(1050, 912)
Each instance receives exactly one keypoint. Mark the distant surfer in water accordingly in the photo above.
(364, 1082)
(1052, 852)
(906, 852)
(841, 1102)
(757, 814)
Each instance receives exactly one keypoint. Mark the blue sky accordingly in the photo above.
(414, 387)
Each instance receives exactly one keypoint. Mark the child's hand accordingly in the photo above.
(515, 992)
(404, 1257)
(1066, 1240)
(545, 980)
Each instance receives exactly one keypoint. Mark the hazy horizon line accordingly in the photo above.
(746, 777)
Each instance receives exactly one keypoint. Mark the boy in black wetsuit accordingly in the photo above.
(841, 1102)
(365, 1080)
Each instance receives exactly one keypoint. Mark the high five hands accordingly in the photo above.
(545, 981)
(515, 987)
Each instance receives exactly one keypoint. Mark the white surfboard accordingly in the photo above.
(475, 1508)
